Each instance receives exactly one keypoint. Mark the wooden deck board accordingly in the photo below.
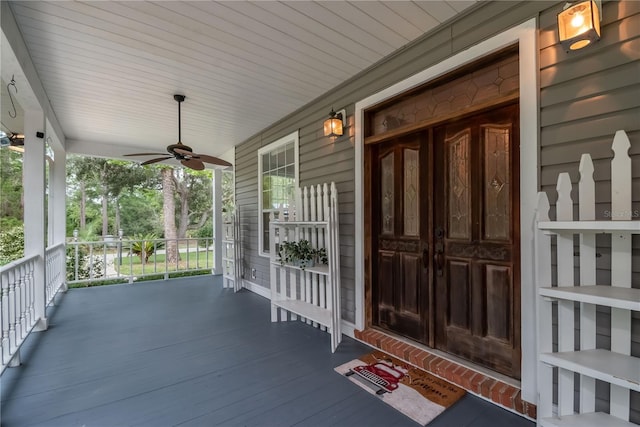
(186, 352)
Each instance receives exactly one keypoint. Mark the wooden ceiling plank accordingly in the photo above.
(352, 24)
(410, 11)
(188, 68)
(386, 16)
(277, 42)
(323, 33)
(234, 66)
(194, 26)
(298, 33)
(440, 10)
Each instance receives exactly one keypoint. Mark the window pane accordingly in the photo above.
(290, 172)
(278, 183)
(281, 157)
(290, 154)
(265, 221)
(266, 199)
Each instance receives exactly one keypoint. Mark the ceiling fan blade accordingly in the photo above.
(193, 164)
(211, 159)
(159, 159)
(146, 154)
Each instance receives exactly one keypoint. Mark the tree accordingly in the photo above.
(141, 211)
(11, 207)
(108, 179)
(11, 197)
(169, 214)
(195, 199)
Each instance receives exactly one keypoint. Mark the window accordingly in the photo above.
(277, 179)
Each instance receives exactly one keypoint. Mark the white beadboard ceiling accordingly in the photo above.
(110, 68)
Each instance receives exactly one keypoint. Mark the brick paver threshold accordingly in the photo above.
(498, 392)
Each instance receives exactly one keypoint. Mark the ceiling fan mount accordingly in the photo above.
(182, 152)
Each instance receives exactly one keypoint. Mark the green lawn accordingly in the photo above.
(156, 264)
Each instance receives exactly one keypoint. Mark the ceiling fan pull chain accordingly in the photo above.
(12, 83)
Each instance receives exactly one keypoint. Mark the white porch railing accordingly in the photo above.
(55, 274)
(117, 260)
(78, 262)
(17, 310)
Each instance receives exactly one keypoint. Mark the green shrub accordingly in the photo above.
(11, 244)
(85, 264)
(144, 246)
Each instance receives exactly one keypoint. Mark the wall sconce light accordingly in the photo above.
(579, 25)
(335, 124)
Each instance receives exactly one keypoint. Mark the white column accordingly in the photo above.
(58, 202)
(217, 221)
(34, 206)
(58, 197)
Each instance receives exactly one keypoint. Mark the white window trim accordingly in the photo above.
(295, 137)
(525, 35)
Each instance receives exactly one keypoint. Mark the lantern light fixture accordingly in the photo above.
(579, 24)
(335, 124)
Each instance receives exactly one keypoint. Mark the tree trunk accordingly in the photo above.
(105, 213)
(105, 194)
(117, 215)
(83, 205)
(184, 210)
(169, 215)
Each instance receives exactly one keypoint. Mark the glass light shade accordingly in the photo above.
(579, 25)
(333, 125)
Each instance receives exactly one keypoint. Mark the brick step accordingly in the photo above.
(496, 391)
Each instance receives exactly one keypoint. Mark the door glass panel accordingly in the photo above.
(459, 185)
(497, 176)
(411, 191)
(386, 168)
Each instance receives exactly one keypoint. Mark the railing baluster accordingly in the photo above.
(12, 313)
(21, 326)
(6, 350)
(75, 275)
(30, 308)
(31, 284)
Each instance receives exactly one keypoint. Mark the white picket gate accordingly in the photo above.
(312, 293)
(615, 365)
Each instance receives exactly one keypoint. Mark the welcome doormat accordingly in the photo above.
(412, 391)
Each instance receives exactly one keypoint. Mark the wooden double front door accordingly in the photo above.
(445, 237)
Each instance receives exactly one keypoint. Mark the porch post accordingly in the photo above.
(58, 201)
(34, 207)
(217, 221)
(57, 197)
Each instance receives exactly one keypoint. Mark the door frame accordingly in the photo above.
(525, 36)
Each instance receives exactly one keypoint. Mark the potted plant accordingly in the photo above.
(301, 254)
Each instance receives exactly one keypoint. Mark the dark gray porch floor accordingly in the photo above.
(187, 352)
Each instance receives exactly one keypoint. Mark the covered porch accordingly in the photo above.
(188, 352)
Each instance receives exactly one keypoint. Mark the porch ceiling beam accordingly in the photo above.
(16, 61)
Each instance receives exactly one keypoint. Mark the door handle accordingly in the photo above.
(438, 258)
(425, 258)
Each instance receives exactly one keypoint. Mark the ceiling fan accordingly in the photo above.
(182, 152)
(13, 141)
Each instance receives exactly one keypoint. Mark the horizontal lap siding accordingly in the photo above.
(323, 160)
(585, 97)
(565, 80)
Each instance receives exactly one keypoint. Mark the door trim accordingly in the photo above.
(525, 35)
